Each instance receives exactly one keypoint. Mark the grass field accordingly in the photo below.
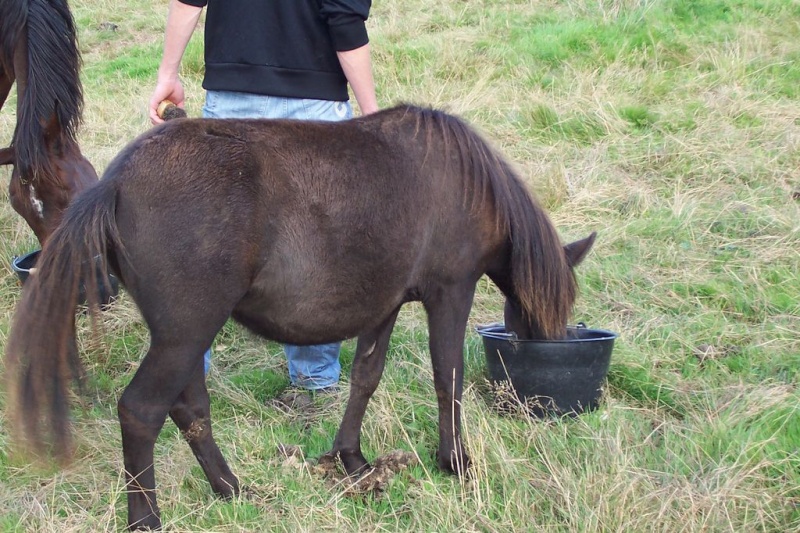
(671, 127)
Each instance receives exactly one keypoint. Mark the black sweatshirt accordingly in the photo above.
(281, 47)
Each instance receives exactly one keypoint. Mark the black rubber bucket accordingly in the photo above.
(548, 378)
(23, 264)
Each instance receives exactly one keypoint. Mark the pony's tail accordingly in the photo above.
(41, 353)
(52, 84)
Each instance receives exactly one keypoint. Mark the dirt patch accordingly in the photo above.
(374, 481)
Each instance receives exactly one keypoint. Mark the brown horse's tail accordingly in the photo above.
(41, 353)
(542, 281)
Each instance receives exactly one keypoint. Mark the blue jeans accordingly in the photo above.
(310, 367)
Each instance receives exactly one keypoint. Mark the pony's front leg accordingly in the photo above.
(365, 375)
(192, 414)
(142, 411)
(448, 309)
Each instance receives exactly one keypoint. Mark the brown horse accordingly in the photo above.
(38, 48)
(305, 233)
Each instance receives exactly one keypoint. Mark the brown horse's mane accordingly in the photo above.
(50, 95)
(544, 285)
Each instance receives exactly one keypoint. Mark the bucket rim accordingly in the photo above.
(17, 260)
(490, 331)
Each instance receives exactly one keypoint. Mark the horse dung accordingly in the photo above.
(167, 111)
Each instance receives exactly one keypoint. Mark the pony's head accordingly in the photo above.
(524, 324)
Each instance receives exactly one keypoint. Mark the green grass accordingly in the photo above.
(668, 126)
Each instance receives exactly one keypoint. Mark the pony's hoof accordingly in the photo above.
(454, 463)
(149, 523)
(355, 467)
(226, 489)
(231, 493)
(354, 463)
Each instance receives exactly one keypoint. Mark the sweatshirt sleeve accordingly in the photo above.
(346, 22)
(195, 3)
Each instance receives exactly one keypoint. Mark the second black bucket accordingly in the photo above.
(562, 377)
(24, 264)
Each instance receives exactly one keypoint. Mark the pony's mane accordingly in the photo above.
(13, 14)
(541, 276)
(52, 80)
(494, 179)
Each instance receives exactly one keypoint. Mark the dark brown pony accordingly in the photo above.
(304, 232)
(38, 48)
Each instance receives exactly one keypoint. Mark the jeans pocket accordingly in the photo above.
(210, 105)
(328, 110)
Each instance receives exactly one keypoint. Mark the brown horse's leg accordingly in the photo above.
(448, 311)
(192, 414)
(6, 81)
(142, 410)
(7, 156)
(364, 377)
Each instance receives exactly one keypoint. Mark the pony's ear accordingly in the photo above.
(576, 251)
(52, 134)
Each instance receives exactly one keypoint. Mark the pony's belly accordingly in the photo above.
(316, 318)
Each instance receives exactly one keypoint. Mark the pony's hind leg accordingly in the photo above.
(164, 374)
(448, 311)
(367, 369)
(192, 414)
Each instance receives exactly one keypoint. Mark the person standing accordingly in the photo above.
(275, 59)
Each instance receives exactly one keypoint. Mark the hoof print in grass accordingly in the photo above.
(709, 352)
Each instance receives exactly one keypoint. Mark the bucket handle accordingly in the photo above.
(512, 336)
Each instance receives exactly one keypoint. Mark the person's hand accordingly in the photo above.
(369, 108)
(171, 90)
